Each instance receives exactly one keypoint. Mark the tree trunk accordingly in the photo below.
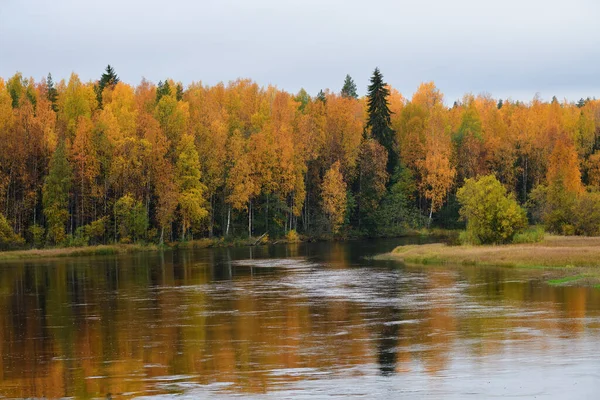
(115, 227)
(267, 215)
(525, 181)
(228, 220)
(249, 218)
(430, 215)
(212, 216)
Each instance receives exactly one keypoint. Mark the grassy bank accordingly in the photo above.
(100, 250)
(571, 260)
(553, 251)
(134, 248)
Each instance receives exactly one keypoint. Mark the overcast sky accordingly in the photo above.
(508, 48)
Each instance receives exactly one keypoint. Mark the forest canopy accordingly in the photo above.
(104, 161)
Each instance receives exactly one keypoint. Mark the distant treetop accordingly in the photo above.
(349, 88)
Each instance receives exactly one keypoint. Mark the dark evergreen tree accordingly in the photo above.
(581, 103)
(349, 88)
(500, 104)
(379, 121)
(398, 212)
(321, 96)
(16, 88)
(52, 93)
(179, 92)
(163, 89)
(108, 79)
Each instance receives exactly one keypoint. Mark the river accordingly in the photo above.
(311, 320)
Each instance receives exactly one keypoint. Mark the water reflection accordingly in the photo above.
(280, 320)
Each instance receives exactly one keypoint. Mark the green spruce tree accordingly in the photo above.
(379, 121)
(108, 79)
(321, 96)
(162, 89)
(52, 93)
(349, 88)
(179, 92)
(55, 195)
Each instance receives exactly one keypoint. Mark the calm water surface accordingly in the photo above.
(296, 321)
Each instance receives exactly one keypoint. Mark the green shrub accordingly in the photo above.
(8, 238)
(566, 213)
(554, 207)
(492, 215)
(95, 230)
(467, 237)
(131, 219)
(36, 233)
(534, 234)
(586, 215)
(79, 239)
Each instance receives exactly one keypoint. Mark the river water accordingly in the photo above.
(292, 321)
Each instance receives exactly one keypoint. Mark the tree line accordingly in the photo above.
(104, 161)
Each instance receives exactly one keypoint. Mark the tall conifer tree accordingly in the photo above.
(52, 93)
(379, 121)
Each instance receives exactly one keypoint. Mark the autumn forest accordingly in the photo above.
(97, 162)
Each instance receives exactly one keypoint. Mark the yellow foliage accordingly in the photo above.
(333, 192)
(563, 166)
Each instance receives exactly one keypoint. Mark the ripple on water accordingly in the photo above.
(288, 263)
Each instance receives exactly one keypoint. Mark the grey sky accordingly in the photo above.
(504, 47)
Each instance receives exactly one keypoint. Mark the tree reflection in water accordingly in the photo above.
(168, 322)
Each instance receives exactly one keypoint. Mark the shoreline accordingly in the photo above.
(60, 252)
(565, 260)
(204, 243)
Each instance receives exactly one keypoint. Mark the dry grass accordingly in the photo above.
(75, 251)
(553, 251)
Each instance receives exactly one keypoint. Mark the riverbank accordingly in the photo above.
(553, 251)
(114, 249)
(566, 260)
(100, 250)
(203, 243)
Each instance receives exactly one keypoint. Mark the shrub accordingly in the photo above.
(532, 235)
(467, 237)
(131, 219)
(264, 240)
(292, 236)
(95, 230)
(586, 215)
(37, 232)
(79, 239)
(492, 215)
(8, 238)
(553, 206)
(566, 213)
